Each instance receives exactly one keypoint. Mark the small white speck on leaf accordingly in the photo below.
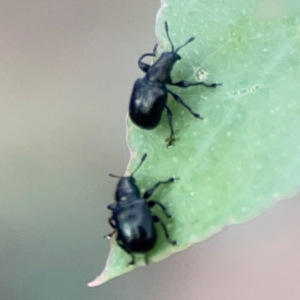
(201, 75)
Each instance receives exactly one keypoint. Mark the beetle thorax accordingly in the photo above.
(160, 71)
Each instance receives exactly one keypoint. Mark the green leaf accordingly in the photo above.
(245, 155)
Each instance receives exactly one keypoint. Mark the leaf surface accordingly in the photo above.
(245, 155)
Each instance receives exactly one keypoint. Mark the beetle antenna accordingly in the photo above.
(115, 176)
(142, 160)
(167, 32)
(118, 176)
(187, 42)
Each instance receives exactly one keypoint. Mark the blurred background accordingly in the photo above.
(67, 70)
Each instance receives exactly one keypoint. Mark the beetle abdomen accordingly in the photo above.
(146, 104)
(135, 227)
(143, 243)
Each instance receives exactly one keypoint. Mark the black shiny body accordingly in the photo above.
(132, 219)
(149, 95)
(147, 114)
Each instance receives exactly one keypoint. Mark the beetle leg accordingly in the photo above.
(157, 219)
(150, 191)
(180, 101)
(170, 139)
(109, 236)
(186, 84)
(143, 66)
(132, 262)
(146, 260)
(111, 206)
(151, 203)
(111, 222)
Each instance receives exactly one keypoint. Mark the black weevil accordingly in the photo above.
(132, 219)
(149, 95)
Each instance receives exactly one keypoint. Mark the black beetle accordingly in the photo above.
(149, 95)
(132, 219)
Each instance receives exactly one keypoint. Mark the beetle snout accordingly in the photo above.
(126, 189)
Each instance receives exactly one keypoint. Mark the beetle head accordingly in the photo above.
(170, 57)
(127, 187)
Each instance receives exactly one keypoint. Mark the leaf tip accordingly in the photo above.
(97, 281)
